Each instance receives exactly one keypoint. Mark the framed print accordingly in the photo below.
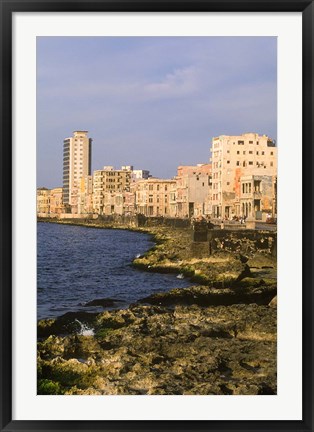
(156, 215)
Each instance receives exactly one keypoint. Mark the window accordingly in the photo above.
(228, 151)
(238, 152)
(228, 162)
(240, 142)
(250, 162)
(228, 183)
(244, 152)
(238, 163)
(272, 153)
(250, 142)
(257, 185)
(271, 164)
(244, 163)
(257, 153)
(250, 152)
(263, 152)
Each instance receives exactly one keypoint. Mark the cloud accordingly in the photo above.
(180, 82)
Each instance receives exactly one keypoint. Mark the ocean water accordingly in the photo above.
(76, 265)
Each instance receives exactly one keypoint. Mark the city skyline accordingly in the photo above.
(154, 103)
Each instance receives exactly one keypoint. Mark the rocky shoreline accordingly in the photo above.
(216, 337)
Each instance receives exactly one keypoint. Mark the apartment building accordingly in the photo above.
(43, 200)
(193, 190)
(234, 157)
(77, 156)
(85, 195)
(155, 197)
(258, 196)
(108, 180)
(56, 201)
(49, 201)
(118, 203)
(137, 174)
(140, 174)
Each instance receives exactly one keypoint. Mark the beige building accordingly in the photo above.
(119, 203)
(43, 200)
(49, 201)
(112, 181)
(258, 196)
(155, 197)
(77, 152)
(140, 174)
(193, 190)
(85, 196)
(232, 158)
(129, 203)
(56, 201)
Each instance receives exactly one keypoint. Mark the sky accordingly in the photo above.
(151, 102)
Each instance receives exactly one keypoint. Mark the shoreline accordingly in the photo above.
(107, 303)
(215, 337)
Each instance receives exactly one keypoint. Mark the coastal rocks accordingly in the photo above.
(217, 337)
(255, 292)
(233, 260)
(71, 322)
(159, 350)
(104, 302)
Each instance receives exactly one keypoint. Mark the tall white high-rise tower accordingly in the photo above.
(77, 157)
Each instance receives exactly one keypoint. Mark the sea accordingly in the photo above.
(77, 264)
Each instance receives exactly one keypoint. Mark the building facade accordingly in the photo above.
(49, 201)
(140, 174)
(85, 195)
(56, 201)
(77, 156)
(43, 200)
(106, 181)
(232, 158)
(193, 190)
(258, 197)
(155, 197)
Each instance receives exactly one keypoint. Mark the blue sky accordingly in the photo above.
(151, 102)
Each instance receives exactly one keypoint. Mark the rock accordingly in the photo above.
(215, 337)
(258, 292)
(163, 351)
(71, 322)
(104, 302)
(273, 303)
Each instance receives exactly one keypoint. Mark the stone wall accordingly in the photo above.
(121, 220)
(163, 221)
(244, 241)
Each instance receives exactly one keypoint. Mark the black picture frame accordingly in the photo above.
(8, 7)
